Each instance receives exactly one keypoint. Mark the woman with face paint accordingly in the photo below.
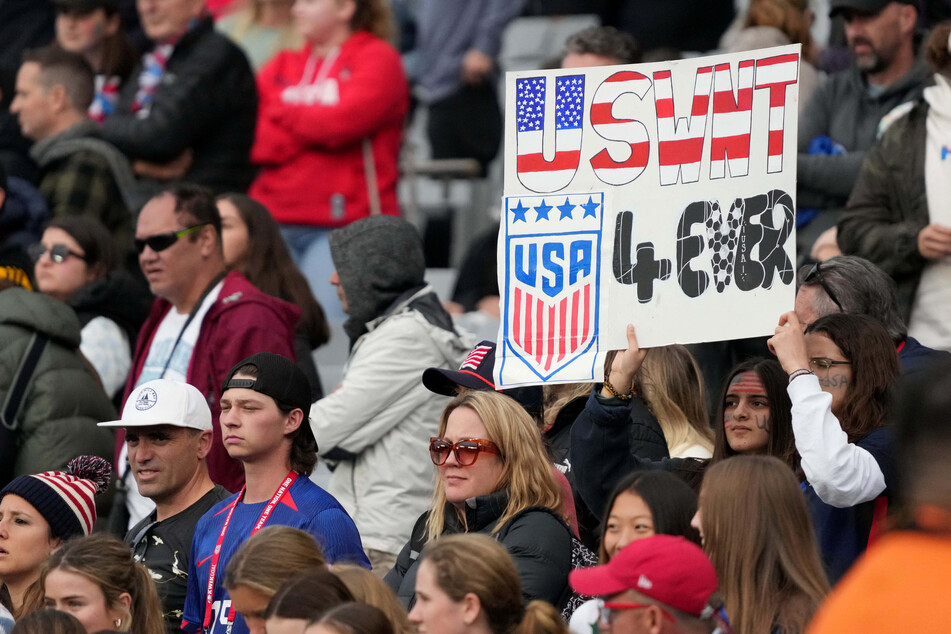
(753, 417)
(841, 373)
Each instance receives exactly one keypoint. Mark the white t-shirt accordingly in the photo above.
(168, 358)
(929, 313)
(585, 618)
(106, 347)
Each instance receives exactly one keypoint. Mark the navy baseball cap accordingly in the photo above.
(870, 7)
(278, 377)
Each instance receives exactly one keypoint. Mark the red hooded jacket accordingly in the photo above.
(324, 125)
(242, 321)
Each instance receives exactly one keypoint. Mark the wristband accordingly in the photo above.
(610, 388)
(797, 373)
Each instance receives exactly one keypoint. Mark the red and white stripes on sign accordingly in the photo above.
(776, 73)
(550, 332)
(631, 131)
(535, 172)
(680, 141)
(474, 358)
(732, 120)
(73, 494)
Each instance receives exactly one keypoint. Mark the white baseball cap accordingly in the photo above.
(164, 402)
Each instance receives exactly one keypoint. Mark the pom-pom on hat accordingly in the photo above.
(65, 499)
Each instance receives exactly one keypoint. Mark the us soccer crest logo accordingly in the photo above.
(552, 256)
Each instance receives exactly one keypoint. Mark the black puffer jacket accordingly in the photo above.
(539, 543)
(207, 102)
(63, 402)
(610, 439)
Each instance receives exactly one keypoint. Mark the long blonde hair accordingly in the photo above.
(248, 15)
(108, 563)
(560, 394)
(272, 556)
(526, 471)
(757, 533)
(368, 588)
(477, 564)
(671, 384)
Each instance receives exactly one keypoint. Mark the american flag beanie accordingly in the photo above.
(65, 499)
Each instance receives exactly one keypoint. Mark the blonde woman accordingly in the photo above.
(475, 578)
(96, 580)
(670, 383)
(756, 530)
(667, 404)
(494, 478)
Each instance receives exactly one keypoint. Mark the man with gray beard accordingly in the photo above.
(841, 121)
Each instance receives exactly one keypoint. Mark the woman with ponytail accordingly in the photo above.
(475, 574)
(95, 579)
(37, 514)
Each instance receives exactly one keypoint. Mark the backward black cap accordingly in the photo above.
(278, 377)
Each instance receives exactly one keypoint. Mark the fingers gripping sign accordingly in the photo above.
(627, 363)
(788, 343)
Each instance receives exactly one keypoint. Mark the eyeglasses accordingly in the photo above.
(466, 451)
(608, 610)
(815, 275)
(58, 252)
(824, 364)
(162, 241)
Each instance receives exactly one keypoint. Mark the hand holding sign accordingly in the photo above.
(627, 363)
(789, 344)
(658, 194)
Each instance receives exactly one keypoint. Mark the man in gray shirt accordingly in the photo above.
(841, 120)
(459, 41)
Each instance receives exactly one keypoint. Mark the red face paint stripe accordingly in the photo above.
(740, 389)
(747, 383)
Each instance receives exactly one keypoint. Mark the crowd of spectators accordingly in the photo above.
(195, 193)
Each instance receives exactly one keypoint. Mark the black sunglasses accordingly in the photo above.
(815, 275)
(162, 241)
(58, 252)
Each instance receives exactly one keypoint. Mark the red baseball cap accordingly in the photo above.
(668, 569)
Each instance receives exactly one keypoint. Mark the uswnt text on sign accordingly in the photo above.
(656, 194)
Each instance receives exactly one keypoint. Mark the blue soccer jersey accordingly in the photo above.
(304, 505)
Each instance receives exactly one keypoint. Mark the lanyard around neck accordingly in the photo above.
(212, 572)
(191, 316)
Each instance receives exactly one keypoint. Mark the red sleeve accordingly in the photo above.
(272, 143)
(373, 97)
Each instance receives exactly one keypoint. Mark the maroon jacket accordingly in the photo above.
(242, 321)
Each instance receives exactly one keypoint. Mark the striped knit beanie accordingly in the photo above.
(66, 499)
